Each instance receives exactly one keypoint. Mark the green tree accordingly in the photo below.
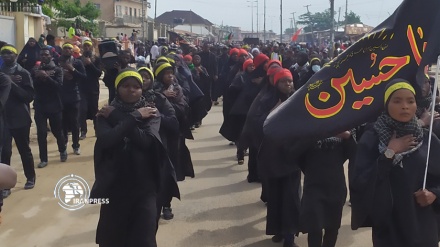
(318, 21)
(67, 10)
(352, 18)
(289, 31)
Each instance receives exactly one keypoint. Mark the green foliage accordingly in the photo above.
(321, 21)
(352, 18)
(69, 9)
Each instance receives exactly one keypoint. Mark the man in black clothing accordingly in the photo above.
(89, 88)
(73, 73)
(5, 88)
(48, 80)
(17, 115)
(209, 61)
(110, 75)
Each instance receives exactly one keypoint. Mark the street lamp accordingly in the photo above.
(252, 13)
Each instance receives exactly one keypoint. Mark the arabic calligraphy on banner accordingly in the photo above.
(386, 69)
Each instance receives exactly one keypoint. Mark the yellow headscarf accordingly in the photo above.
(67, 45)
(397, 86)
(148, 70)
(9, 48)
(128, 73)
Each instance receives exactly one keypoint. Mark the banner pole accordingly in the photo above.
(434, 96)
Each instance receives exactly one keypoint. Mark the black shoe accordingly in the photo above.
(240, 162)
(277, 238)
(6, 193)
(253, 180)
(197, 125)
(83, 136)
(30, 184)
(167, 213)
(42, 164)
(192, 127)
(63, 156)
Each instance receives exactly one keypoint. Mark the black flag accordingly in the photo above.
(349, 90)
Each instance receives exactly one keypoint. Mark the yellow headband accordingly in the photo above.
(67, 45)
(162, 67)
(88, 42)
(9, 48)
(162, 59)
(148, 70)
(171, 60)
(314, 59)
(397, 86)
(126, 74)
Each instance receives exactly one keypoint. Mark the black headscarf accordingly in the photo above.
(31, 54)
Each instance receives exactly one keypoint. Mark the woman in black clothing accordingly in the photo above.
(179, 152)
(128, 157)
(389, 173)
(29, 55)
(169, 128)
(282, 177)
(324, 192)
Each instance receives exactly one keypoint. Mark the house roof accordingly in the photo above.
(187, 16)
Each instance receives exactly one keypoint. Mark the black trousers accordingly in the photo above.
(111, 94)
(21, 137)
(315, 239)
(89, 108)
(56, 127)
(128, 222)
(71, 122)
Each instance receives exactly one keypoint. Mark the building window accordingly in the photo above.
(126, 10)
(118, 11)
(131, 12)
(135, 14)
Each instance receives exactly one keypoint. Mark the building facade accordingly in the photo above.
(122, 12)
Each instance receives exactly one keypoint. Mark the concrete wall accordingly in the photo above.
(27, 25)
(7, 32)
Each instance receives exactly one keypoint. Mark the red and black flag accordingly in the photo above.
(349, 90)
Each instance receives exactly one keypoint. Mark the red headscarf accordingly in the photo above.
(273, 70)
(272, 62)
(243, 52)
(233, 50)
(188, 57)
(247, 63)
(260, 59)
(282, 74)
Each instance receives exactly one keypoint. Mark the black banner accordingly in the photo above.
(349, 91)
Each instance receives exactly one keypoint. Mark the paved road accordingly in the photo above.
(218, 207)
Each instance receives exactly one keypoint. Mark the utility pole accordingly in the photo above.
(310, 19)
(258, 17)
(346, 15)
(252, 16)
(339, 18)
(281, 21)
(332, 31)
(264, 25)
(291, 23)
(294, 21)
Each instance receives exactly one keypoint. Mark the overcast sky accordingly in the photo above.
(238, 12)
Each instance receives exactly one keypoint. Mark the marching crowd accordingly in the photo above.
(140, 152)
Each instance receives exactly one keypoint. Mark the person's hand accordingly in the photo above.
(425, 119)
(402, 144)
(117, 66)
(105, 111)
(425, 197)
(257, 80)
(147, 112)
(170, 94)
(344, 135)
(41, 74)
(16, 78)
(69, 67)
(215, 78)
(87, 60)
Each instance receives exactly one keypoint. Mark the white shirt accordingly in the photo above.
(154, 52)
